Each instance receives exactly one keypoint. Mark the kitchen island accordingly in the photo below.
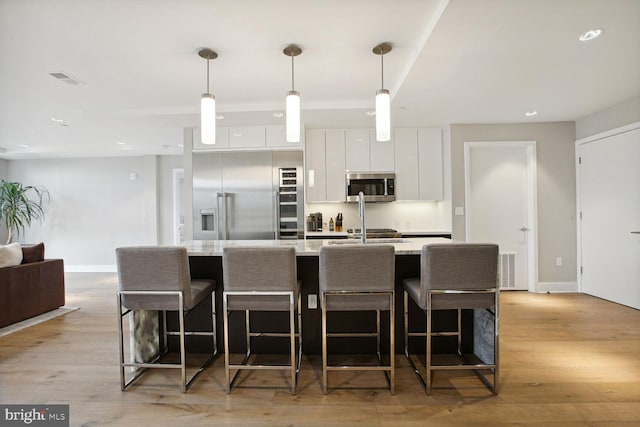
(205, 258)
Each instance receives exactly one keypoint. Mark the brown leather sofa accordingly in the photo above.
(30, 289)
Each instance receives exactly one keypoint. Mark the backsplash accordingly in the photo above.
(402, 216)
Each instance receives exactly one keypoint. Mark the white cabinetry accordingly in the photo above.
(414, 154)
(277, 137)
(222, 140)
(430, 164)
(325, 165)
(418, 164)
(381, 154)
(406, 164)
(357, 150)
(247, 137)
(335, 165)
(315, 165)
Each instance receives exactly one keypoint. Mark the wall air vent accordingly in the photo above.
(64, 77)
(506, 270)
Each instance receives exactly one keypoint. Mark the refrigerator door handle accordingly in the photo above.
(219, 195)
(276, 216)
(225, 195)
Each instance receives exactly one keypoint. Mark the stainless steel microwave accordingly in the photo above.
(376, 186)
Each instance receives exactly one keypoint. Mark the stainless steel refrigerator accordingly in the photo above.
(236, 195)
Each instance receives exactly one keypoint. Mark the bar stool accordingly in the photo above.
(261, 279)
(358, 278)
(456, 277)
(158, 278)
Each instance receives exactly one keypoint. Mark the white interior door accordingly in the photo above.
(500, 200)
(609, 201)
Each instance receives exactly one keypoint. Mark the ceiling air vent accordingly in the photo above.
(65, 78)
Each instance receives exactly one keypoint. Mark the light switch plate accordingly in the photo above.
(312, 302)
(459, 211)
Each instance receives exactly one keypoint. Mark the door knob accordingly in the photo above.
(523, 229)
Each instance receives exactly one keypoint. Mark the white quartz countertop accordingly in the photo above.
(403, 246)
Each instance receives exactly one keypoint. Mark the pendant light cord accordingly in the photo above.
(292, 71)
(382, 68)
(208, 75)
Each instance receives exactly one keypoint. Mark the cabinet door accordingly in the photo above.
(357, 150)
(222, 140)
(335, 165)
(406, 159)
(247, 137)
(430, 163)
(315, 165)
(381, 153)
(277, 137)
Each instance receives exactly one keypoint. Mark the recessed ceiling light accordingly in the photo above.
(120, 142)
(530, 113)
(23, 145)
(590, 35)
(53, 119)
(278, 114)
(371, 113)
(219, 117)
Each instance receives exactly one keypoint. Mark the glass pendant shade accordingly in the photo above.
(208, 119)
(383, 115)
(293, 116)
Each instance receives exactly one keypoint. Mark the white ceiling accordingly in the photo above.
(456, 61)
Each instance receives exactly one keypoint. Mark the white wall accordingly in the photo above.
(96, 206)
(556, 188)
(611, 118)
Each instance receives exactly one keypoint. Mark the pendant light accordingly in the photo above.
(293, 100)
(208, 105)
(383, 100)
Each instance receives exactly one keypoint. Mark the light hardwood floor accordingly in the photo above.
(566, 359)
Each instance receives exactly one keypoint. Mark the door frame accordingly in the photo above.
(532, 200)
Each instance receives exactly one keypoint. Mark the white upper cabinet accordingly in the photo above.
(247, 137)
(381, 153)
(277, 137)
(430, 164)
(406, 163)
(357, 150)
(315, 157)
(335, 165)
(415, 155)
(222, 140)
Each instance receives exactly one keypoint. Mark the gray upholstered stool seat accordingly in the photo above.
(456, 277)
(358, 278)
(261, 279)
(158, 278)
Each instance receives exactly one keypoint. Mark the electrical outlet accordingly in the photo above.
(559, 261)
(312, 302)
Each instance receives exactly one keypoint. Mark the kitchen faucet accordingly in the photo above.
(363, 228)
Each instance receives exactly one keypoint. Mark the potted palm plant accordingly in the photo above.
(20, 205)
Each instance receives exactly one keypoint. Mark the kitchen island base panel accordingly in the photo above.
(406, 266)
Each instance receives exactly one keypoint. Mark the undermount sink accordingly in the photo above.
(369, 241)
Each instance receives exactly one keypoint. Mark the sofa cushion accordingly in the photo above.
(33, 253)
(10, 255)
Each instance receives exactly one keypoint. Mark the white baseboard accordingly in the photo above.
(107, 268)
(557, 287)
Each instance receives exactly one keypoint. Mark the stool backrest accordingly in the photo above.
(357, 267)
(255, 269)
(458, 266)
(153, 268)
